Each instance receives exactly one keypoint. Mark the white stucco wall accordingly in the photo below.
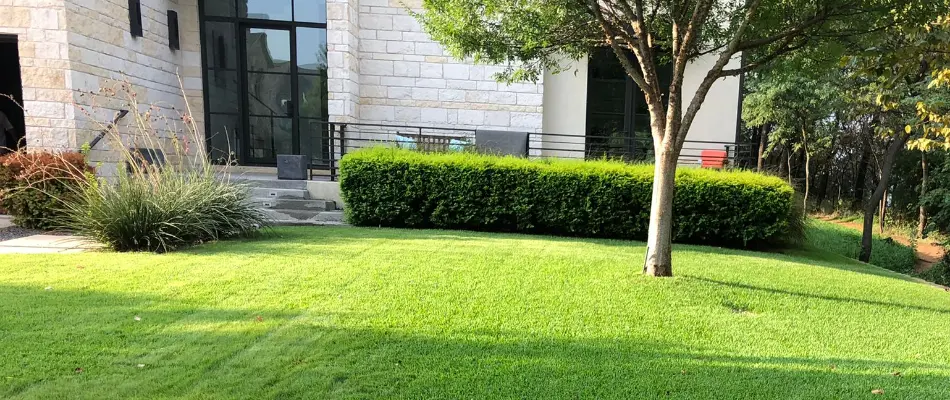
(565, 107)
(716, 120)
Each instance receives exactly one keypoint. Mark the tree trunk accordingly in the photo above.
(859, 182)
(871, 206)
(807, 170)
(659, 257)
(882, 208)
(823, 185)
(788, 161)
(922, 217)
(763, 141)
(826, 176)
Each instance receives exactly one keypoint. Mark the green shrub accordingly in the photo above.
(34, 186)
(163, 210)
(841, 240)
(939, 273)
(401, 188)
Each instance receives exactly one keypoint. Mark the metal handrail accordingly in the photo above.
(121, 114)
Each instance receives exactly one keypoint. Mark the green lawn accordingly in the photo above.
(846, 241)
(380, 313)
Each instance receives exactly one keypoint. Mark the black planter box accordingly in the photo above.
(291, 167)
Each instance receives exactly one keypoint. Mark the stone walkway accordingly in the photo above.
(45, 244)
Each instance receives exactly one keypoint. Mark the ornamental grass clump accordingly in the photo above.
(165, 193)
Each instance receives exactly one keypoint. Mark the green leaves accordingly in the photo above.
(400, 188)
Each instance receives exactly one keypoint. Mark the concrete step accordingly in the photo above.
(304, 217)
(258, 192)
(294, 204)
(271, 183)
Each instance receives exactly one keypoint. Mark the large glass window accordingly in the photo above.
(618, 122)
(265, 65)
(280, 10)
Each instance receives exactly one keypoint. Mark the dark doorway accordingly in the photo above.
(10, 85)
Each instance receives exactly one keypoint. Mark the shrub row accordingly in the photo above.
(402, 188)
(35, 185)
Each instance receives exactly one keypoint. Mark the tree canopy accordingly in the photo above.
(531, 36)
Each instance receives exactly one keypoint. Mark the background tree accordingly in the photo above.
(910, 71)
(533, 35)
(798, 110)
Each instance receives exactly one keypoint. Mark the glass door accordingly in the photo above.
(265, 79)
(269, 94)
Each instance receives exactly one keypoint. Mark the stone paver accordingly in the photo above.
(5, 221)
(44, 244)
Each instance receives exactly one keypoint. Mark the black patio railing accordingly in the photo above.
(638, 149)
(326, 148)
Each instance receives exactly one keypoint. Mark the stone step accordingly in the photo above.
(264, 181)
(304, 217)
(294, 204)
(258, 192)
(271, 183)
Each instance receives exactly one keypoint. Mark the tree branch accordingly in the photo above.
(611, 39)
(782, 50)
(713, 74)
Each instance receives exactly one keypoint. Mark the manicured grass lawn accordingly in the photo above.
(379, 313)
(845, 241)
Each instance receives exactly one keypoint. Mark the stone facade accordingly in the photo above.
(406, 78)
(382, 68)
(343, 79)
(103, 54)
(68, 47)
(40, 28)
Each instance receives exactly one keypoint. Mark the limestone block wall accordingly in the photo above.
(40, 28)
(343, 81)
(407, 78)
(67, 47)
(103, 54)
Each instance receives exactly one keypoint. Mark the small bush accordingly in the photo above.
(885, 253)
(163, 210)
(401, 188)
(35, 185)
(939, 273)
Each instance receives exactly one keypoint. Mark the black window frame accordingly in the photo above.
(174, 38)
(238, 23)
(135, 18)
(633, 147)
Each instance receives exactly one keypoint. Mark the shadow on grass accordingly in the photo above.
(281, 240)
(818, 296)
(185, 350)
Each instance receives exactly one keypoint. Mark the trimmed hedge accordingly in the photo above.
(402, 188)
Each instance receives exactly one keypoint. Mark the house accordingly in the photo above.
(264, 77)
